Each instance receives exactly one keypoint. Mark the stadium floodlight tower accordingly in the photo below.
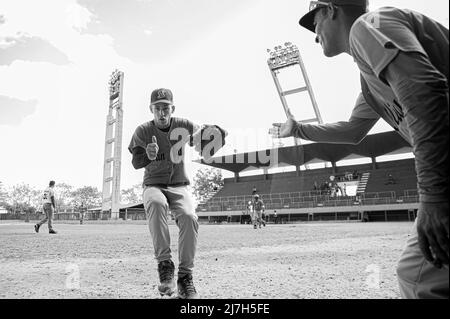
(113, 147)
(288, 56)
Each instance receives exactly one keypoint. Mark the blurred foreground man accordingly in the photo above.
(403, 58)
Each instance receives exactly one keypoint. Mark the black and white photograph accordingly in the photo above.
(247, 154)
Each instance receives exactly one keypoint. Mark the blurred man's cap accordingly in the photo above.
(307, 21)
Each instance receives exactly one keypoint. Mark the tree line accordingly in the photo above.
(23, 198)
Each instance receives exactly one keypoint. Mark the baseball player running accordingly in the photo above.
(159, 146)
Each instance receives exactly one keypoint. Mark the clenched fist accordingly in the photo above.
(433, 231)
(152, 149)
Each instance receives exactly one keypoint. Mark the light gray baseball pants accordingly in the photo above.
(418, 278)
(48, 211)
(157, 202)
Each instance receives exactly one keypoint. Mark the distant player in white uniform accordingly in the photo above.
(48, 203)
(158, 146)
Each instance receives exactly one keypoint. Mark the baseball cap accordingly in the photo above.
(307, 21)
(161, 96)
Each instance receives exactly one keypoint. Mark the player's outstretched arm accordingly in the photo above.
(352, 131)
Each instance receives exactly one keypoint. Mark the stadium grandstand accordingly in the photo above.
(377, 191)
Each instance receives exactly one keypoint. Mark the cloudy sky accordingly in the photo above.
(56, 57)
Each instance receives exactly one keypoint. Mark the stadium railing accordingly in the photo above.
(311, 201)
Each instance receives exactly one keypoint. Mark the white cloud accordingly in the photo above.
(13, 111)
(78, 17)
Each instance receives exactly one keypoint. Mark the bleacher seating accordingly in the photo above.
(276, 183)
(287, 190)
(403, 172)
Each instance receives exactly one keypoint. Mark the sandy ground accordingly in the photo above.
(299, 261)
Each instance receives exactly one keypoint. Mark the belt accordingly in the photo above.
(168, 185)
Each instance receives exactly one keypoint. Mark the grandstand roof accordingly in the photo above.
(388, 143)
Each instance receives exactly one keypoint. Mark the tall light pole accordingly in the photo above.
(113, 147)
(288, 56)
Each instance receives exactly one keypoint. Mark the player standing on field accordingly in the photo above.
(403, 58)
(48, 201)
(259, 209)
(159, 147)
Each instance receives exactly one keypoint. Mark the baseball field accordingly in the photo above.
(350, 260)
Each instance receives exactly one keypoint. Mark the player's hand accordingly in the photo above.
(280, 130)
(152, 149)
(433, 232)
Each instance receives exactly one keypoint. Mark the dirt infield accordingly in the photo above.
(301, 261)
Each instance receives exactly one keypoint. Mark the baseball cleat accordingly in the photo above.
(166, 270)
(186, 288)
(51, 231)
(36, 228)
